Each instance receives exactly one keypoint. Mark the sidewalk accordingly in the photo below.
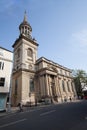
(13, 110)
(16, 109)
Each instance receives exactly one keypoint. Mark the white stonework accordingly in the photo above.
(6, 63)
(6, 60)
(36, 79)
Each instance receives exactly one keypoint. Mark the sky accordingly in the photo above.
(59, 26)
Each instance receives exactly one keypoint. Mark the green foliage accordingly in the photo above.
(80, 76)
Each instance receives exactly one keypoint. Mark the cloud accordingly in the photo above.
(80, 38)
(6, 5)
(78, 42)
(10, 4)
(10, 8)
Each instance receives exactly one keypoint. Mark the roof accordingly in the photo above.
(51, 62)
(25, 22)
(5, 49)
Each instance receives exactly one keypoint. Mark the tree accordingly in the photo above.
(80, 76)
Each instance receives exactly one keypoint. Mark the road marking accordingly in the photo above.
(32, 110)
(45, 113)
(13, 114)
(12, 123)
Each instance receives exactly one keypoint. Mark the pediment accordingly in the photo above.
(53, 69)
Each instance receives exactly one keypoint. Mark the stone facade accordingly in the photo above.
(35, 79)
(54, 81)
(6, 63)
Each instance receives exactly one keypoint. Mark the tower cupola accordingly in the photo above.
(25, 28)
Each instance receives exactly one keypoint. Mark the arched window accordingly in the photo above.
(18, 52)
(16, 86)
(30, 52)
(31, 85)
(63, 86)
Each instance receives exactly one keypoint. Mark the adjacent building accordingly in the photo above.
(6, 61)
(36, 79)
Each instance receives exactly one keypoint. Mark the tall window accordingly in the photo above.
(2, 82)
(31, 85)
(16, 86)
(1, 65)
(18, 53)
(63, 85)
(68, 86)
(72, 86)
(30, 52)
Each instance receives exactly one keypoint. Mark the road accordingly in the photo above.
(67, 116)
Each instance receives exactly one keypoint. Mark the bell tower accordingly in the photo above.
(25, 56)
(25, 28)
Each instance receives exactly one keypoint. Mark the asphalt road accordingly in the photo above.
(67, 116)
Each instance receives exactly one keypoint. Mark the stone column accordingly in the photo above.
(48, 86)
(56, 86)
(50, 91)
(60, 88)
(40, 83)
(43, 85)
(46, 79)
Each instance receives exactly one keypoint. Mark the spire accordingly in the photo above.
(25, 17)
(25, 28)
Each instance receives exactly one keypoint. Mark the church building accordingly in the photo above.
(36, 79)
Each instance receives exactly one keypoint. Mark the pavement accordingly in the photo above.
(7, 112)
(14, 110)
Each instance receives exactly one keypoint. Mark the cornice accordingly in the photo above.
(20, 70)
(43, 59)
(26, 38)
(5, 49)
(4, 59)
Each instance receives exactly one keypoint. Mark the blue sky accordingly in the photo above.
(59, 26)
